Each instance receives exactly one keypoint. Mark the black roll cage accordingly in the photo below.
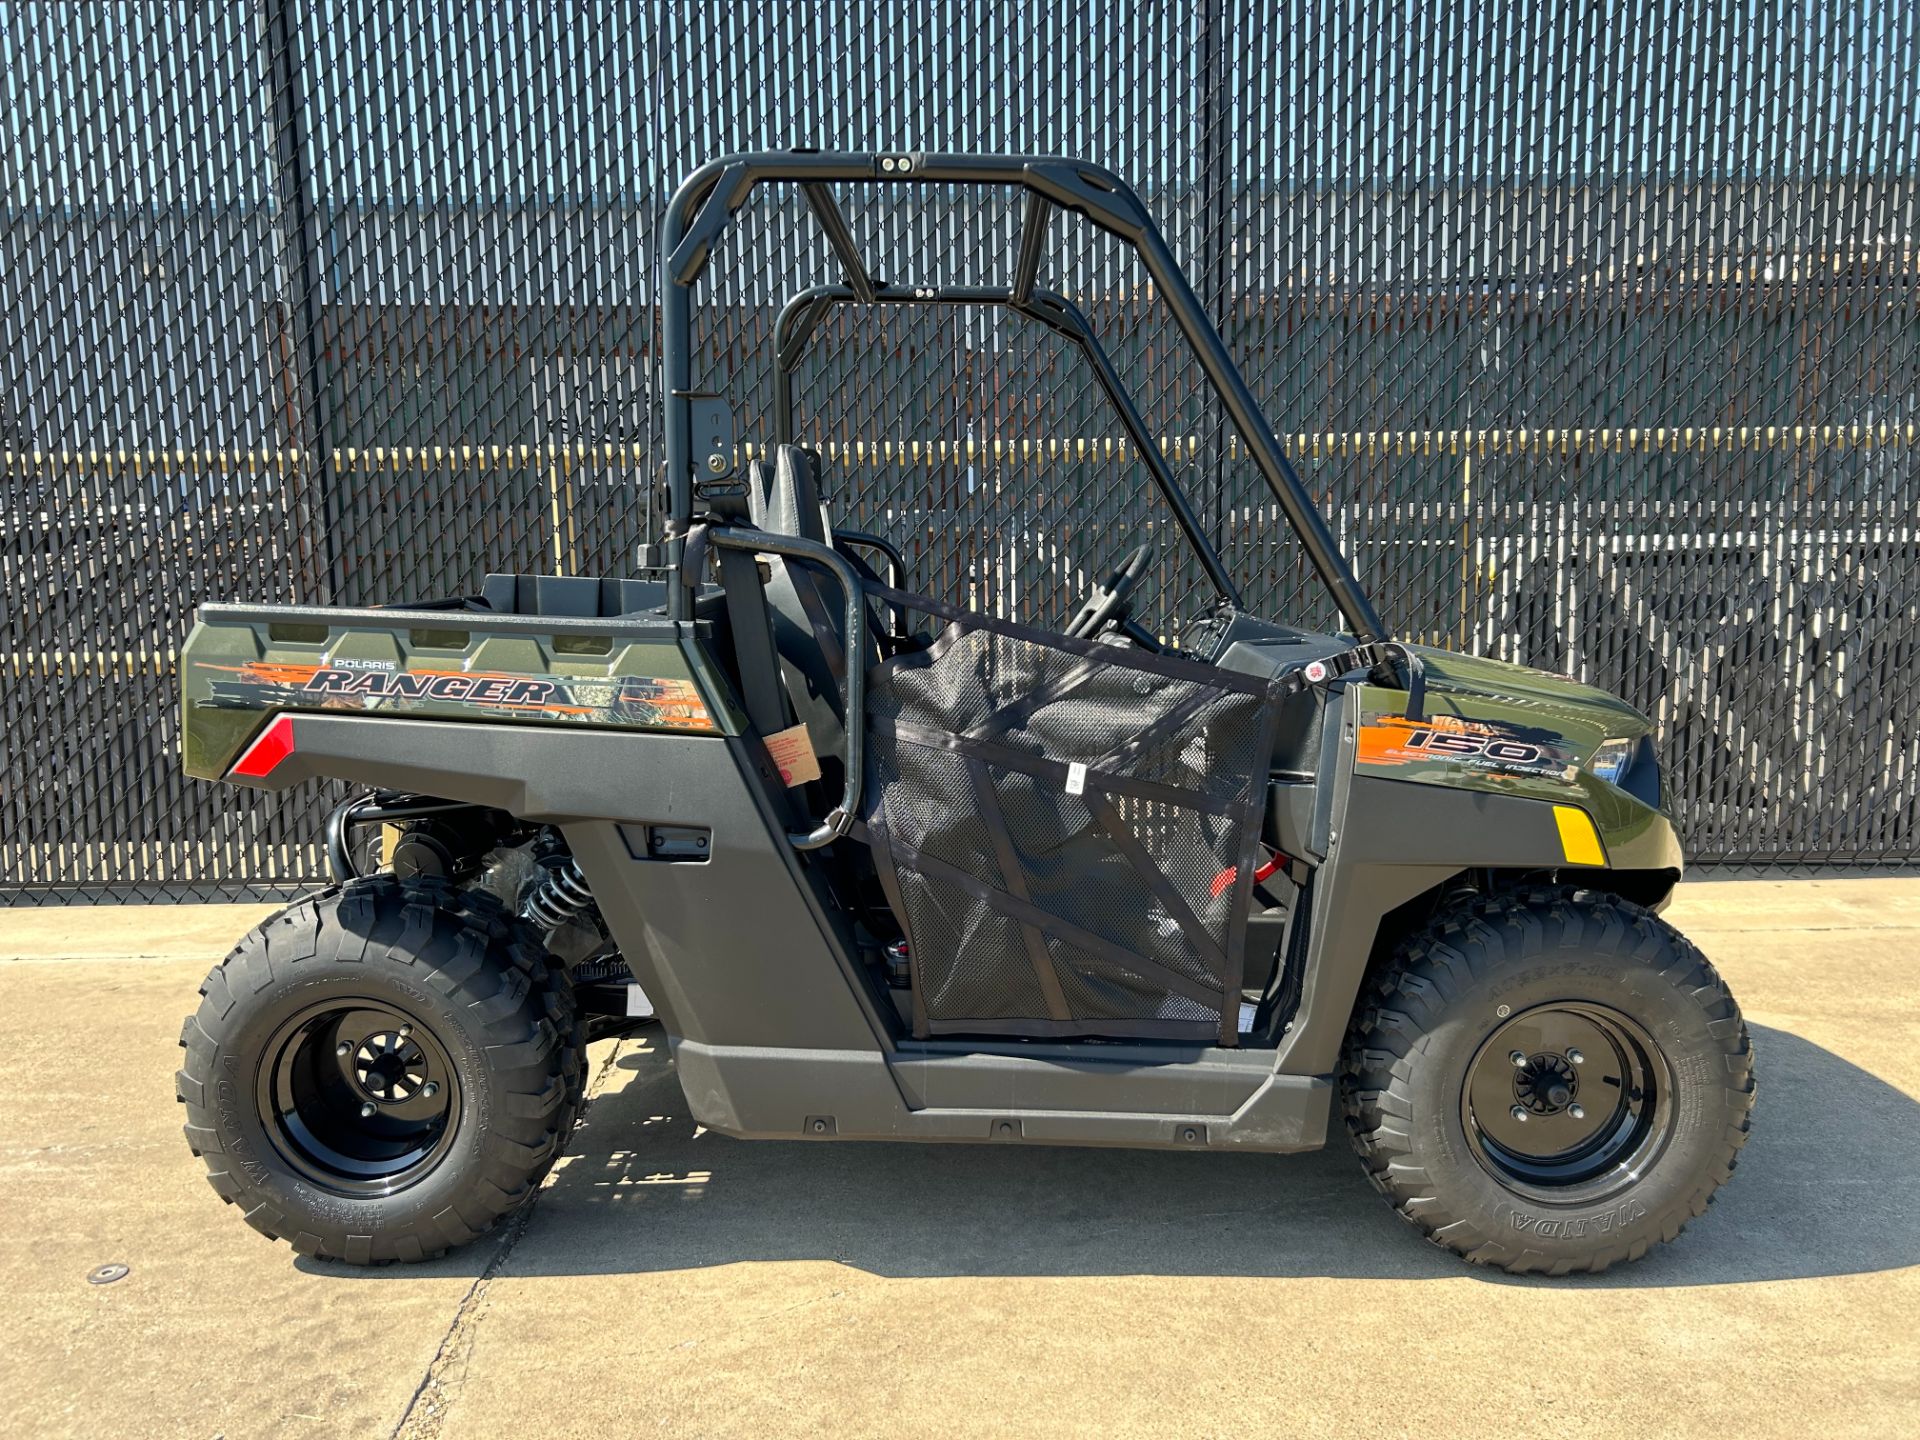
(793, 333)
(707, 201)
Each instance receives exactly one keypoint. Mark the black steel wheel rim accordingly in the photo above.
(1568, 1103)
(359, 1097)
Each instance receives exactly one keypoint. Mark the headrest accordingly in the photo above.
(785, 500)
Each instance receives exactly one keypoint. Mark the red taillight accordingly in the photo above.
(272, 746)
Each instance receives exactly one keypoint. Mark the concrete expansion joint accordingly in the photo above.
(427, 1408)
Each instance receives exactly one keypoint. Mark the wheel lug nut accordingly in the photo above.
(1578, 1112)
(1576, 1057)
(1519, 1060)
(405, 1030)
(368, 1110)
(430, 1089)
(1520, 1113)
(343, 1048)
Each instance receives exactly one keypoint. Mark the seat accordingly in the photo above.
(807, 609)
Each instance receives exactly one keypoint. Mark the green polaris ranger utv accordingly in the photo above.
(882, 868)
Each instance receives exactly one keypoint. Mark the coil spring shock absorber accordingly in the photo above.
(561, 894)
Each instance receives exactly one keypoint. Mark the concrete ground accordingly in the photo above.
(674, 1284)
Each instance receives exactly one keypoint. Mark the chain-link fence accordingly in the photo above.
(1594, 329)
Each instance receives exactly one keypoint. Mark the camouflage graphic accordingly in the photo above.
(657, 703)
(236, 670)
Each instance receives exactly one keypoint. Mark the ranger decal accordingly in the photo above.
(666, 704)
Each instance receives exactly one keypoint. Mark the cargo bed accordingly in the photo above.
(528, 649)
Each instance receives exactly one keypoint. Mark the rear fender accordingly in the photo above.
(734, 948)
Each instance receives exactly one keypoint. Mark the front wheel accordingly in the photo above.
(1550, 1081)
(382, 1072)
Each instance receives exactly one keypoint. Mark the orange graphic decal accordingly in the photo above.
(1388, 741)
(669, 704)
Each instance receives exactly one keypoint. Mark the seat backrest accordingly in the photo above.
(783, 498)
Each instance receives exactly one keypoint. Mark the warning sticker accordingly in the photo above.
(792, 752)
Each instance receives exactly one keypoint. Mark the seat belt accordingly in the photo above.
(753, 650)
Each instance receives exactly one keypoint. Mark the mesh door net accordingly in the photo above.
(1066, 830)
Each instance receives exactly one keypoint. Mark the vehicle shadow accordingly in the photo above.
(1829, 1185)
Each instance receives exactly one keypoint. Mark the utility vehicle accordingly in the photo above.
(885, 869)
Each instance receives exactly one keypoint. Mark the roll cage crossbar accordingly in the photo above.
(708, 200)
(803, 314)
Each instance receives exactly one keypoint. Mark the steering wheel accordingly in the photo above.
(1112, 599)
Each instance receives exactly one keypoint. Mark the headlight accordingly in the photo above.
(1610, 761)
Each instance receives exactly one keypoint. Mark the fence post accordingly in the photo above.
(312, 476)
(1215, 218)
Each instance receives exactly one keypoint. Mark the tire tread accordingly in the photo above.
(486, 963)
(1432, 968)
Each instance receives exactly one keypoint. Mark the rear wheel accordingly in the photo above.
(382, 1072)
(1551, 1081)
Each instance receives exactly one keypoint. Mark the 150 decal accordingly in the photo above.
(1394, 740)
(617, 700)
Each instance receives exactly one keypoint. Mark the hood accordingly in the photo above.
(1561, 720)
(1553, 698)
